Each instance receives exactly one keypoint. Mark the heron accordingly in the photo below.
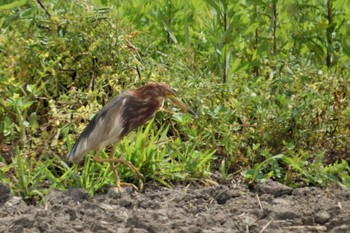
(121, 115)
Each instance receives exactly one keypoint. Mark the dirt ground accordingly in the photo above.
(270, 207)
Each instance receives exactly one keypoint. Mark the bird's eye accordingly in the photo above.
(167, 93)
(173, 90)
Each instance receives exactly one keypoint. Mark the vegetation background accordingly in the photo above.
(269, 80)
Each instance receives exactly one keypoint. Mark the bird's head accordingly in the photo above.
(170, 94)
(162, 91)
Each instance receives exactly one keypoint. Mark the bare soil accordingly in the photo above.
(270, 207)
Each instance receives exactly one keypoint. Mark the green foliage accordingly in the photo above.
(164, 159)
(25, 176)
(268, 79)
(298, 170)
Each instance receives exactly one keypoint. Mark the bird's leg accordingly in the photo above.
(112, 160)
(116, 177)
(113, 167)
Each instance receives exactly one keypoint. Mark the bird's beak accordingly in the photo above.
(181, 105)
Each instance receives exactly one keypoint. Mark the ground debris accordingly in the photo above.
(221, 208)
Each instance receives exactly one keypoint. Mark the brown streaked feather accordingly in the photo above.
(137, 112)
(119, 117)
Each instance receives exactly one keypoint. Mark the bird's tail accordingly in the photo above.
(78, 151)
(71, 154)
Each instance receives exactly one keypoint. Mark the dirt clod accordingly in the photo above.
(274, 188)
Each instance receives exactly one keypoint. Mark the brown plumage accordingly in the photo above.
(121, 115)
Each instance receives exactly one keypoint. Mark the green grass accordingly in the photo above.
(271, 96)
(157, 156)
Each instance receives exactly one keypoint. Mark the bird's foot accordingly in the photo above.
(123, 188)
(130, 185)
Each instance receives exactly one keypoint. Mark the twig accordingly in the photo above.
(339, 205)
(138, 71)
(264, 228)
(257, 197)
(42, 6)
(310, 228)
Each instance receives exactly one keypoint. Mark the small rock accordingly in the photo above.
(78, 195)
(235, 193)
(340, 229)
(106, 207)
(142, 220)
(223, 197)
(55, 197)
(127, 202)
(224, 194)
(308, 220)
(79, 227)
(218, 230)
(4, 192)
(160, 216)
(190, 229)
(14, 201)
(114, 193)
(322, 217)
(307, 191)
(131, 230)
(72, 213)
(286, 215)
(334, 210)
(247, 220)
(149, 205)
(24, 222)
(266, 198)
(273, 188)
(99, 227)
(283, 203)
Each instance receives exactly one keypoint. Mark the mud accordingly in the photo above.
(270, 207)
